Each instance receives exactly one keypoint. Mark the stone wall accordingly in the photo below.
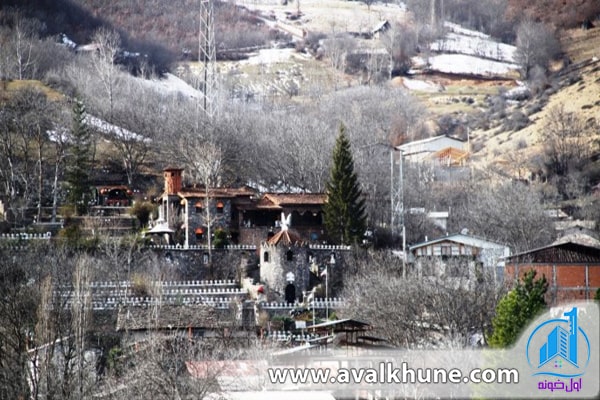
(300, 260)
(193, 263)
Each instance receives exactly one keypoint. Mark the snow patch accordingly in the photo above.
(423, 86)
(269, 56)
(114, 130)
(466, 65)
(171, 84)
(475, 46)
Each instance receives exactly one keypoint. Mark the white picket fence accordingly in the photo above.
(318, 304)
(179, 247)
(26, 236)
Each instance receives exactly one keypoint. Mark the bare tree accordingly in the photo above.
(400, 41)
(567, 148)
(18, 54)
(536, 45)
(417, 310)
(107, 44)
(337, 49)
(17, 315)
(510, 213)
(565, 143)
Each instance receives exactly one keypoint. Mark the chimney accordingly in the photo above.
(172, 180)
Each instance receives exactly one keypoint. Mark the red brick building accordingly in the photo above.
(571, 267)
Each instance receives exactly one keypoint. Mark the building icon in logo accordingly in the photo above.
(561, 342)
(559, 347)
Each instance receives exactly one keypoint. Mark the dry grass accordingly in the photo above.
(581, 45)
(9, 87)
(582, 98)
(517, 150)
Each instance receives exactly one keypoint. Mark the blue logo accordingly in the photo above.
(559, 348)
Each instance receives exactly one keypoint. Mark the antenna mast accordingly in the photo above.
(207, 58)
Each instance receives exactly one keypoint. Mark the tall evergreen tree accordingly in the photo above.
(79, 160)
(517, 308)
(344, 211)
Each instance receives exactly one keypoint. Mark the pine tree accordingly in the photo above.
(79, 164)
(517, 308)
(344, 211)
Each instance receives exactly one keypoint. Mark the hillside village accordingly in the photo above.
(172, 219)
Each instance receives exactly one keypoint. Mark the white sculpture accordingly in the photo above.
(286, 222)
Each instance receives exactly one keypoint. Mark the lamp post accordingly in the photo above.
(187, 224)
(332, 264)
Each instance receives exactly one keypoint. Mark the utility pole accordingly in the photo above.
(401, 212)
(392, 205)
(207, 58)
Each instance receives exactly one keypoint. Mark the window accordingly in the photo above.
(446, 252)
(289, 255)
(199, 233)
(198, 207)
(220, 207)
(266, 256)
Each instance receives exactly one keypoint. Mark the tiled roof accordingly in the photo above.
(467, 240)
(224, 192)
(278, 200)
(287, 238)
(560, 253)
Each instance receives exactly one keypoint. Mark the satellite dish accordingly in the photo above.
(464, 231)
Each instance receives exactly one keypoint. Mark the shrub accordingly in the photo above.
(221, 240)
(142, 211)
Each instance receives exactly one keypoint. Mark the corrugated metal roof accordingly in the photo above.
(428, 140)
(462, 239)
(567, 252)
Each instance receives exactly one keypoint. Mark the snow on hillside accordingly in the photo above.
(268, 56)
(171, 84)
(465, 65)
(475, 46)
(111, 129)
(467, 52)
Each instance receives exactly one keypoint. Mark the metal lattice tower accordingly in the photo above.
(207, 58)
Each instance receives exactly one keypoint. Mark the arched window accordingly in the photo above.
(198, 207)
(220, 207)
(199, 233)
(289, 255)
(266, 256)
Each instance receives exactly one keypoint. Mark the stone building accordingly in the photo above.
(284, 265)
(246, 216)
(290, 266)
